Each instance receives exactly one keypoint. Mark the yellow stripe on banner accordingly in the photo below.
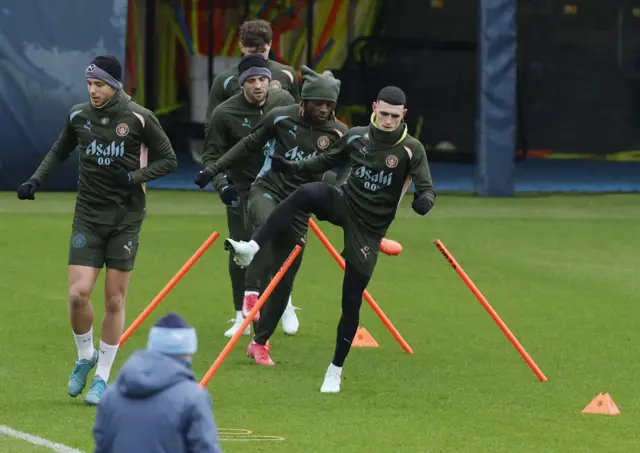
(167, 109)
(194, 26)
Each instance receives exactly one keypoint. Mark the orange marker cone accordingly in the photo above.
(602, 404)
(364, 339)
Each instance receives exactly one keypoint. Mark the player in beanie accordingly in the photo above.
(114, 136)
(296, 133)
(230, 122)
(155, 403)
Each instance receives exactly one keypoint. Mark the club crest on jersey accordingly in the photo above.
(391, 161)
(366, 136)
(275, 84)
(104, 120)
(122, 130)
(323, 142)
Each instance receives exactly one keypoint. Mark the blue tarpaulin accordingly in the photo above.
(45, 46)
(497, 119)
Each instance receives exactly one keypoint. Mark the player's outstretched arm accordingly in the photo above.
(165, 160)
(336, 156)
(60, 151)
(216, 144)
(424, 196)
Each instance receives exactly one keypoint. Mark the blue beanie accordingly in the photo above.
(172, 335)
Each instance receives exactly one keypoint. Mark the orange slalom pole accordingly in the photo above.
(263, 298)
(336, 256)
(527, 358)
(168, 287)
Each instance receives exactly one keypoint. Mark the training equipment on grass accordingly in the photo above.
(168, 287)
(364, 339)
(336, 256)
(390, 247)
(449, 257)
(602, 404)
(263, 298)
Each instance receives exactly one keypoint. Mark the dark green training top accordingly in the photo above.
(231, 121)
(287, 134)
(382, 166)
(226, 85)
(117, 135)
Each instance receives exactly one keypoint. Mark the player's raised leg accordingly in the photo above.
(82, 279)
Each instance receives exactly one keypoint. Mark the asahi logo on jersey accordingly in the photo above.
(105, 153)
(373, 181)
(298, 154)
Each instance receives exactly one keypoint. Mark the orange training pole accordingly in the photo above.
(168, 287)
(527, 358)
(367, 296)
(263, 298)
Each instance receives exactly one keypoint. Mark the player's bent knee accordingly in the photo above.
(78, 296)
(114, 303)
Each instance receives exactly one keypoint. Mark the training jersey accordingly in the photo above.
(382, 167)
(226, 85)
(118, 135)
(231, 121)
(285, 132)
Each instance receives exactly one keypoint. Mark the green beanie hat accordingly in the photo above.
(319, 87)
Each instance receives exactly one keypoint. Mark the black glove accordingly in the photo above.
(203, 178)
(228, 194)
(281, 165)
(421, 204)
(27, 189)
(123, 178)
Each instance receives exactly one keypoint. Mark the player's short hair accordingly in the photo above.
(392, 95)
(256, 33)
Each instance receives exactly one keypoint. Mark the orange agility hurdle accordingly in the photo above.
(168, 287)
(336, 256)
(516, 344)
(263, 298)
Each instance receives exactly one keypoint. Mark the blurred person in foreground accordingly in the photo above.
(155, 404)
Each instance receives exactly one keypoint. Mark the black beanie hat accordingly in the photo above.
(110, 65)
(106, 68)
(252, 65)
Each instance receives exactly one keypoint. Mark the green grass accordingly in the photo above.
(560, 270)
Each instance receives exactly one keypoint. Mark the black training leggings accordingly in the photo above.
(353, 285)
(317, 198)
(323, 200)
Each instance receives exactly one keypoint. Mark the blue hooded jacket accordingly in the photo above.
(155, 406)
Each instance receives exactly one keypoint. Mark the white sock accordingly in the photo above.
(84, 342)
(105, 361)
(239, 316)
(335, 369)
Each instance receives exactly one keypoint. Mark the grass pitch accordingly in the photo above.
(561, 271)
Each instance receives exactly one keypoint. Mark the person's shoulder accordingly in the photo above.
(413, 143)
(284, 111)
(228, 103)
(358, 132)
(283, 68)
(225, 76)
(77, 109)
(142, 113)
(283, 97)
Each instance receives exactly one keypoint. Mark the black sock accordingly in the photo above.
(353, 286)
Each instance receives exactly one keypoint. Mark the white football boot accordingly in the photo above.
(242, 252)
(237, 322)
(290, 323)
(332, 380)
